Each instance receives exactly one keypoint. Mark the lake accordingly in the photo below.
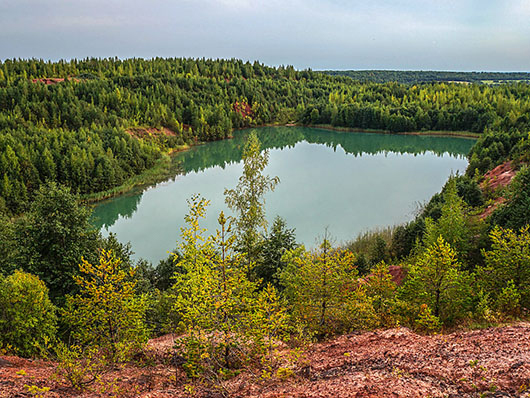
(346, 182)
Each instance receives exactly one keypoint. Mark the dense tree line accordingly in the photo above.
(414, 76)
(76, 122)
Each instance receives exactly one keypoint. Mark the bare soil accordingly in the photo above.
(383, 363)
(494, 180)
(141, 132)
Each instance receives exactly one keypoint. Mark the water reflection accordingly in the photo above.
(323, 183)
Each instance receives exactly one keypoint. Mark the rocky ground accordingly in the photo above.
(390, 363)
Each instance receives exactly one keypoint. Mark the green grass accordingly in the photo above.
(162, 169)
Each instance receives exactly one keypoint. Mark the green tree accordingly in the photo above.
(381, 289)
(269, 323)
(8, 247)
(437, 281)
(276, 243)
(27, 316)
(247, 200)
(107, 314)
(507, 262)
(212, 295)
(451, 225)
(53, 237)
(323, 292)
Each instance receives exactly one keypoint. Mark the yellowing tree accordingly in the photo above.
(247, 199)
(107, 313)
(225, 322)
(212, 296)
(381, 288)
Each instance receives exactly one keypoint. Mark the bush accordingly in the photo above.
(107, 314)
(27, 316)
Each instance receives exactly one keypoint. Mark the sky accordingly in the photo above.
(463, 35)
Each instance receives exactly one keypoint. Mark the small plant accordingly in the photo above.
(426, 321)
(477, 381)
(21, 372)
(36, 391)
(78, 367)
(509, 300)
(284, 373)
(107, 314)
(483, 310)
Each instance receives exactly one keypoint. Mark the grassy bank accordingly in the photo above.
(162, 169)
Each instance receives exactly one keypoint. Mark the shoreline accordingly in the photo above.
(161, 168)
(148, 177)
(437, 133)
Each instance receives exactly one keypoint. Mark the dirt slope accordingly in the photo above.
(390, 363)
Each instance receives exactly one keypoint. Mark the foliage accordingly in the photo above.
(414, 77)
(508, 301)
(451, 225)
(276, 243)
(27, 316)
(104, 123)
(8, 247)
(507, 266)
(426, 321)
(269, 323)
(515, 214)
(107, 313)
(226, 323)
(437, 281)
(372, 247)
(78, 366)
(323, 292)
(52, 238)
(213, 295)
(381, 288)
(248, 200)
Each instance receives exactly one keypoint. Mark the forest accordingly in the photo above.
(414, 77)
(77, 122)
(239, 295)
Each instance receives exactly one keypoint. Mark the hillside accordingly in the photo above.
(389, 363)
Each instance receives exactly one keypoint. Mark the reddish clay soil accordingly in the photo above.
(389, 363)
(500, 176)
(398, 274)
(53, 80)
(141, 132)
(491, 208)
(243, 109)
(497, 178)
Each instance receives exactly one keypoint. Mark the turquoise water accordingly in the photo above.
(345, 182)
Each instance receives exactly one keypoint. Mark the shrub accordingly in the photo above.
(508, 262)
(27, 316)
(107, 314)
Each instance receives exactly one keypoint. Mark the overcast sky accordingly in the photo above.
(466, 35)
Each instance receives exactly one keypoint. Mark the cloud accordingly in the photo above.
(400, 34)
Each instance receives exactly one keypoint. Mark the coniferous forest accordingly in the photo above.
(247, 297)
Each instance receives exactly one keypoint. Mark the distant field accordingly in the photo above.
(412, 77)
